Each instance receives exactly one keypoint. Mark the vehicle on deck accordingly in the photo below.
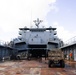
(56, 57)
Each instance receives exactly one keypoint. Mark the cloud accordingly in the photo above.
(63, 33)
(19, 13)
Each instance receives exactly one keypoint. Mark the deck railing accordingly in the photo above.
(70, 41)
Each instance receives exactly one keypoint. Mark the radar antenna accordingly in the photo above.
(37, 22)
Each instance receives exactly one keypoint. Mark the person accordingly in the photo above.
(71, 55)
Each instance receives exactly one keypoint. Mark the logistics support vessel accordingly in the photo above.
(36, 41)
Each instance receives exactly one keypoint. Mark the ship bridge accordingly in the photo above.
(37, 29)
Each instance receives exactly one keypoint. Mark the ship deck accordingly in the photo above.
(35, 67)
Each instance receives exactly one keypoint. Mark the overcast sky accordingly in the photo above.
(20, 13)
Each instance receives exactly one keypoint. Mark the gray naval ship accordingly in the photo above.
(36, 42)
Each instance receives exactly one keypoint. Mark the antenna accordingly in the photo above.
(37, 22)
(31, 18)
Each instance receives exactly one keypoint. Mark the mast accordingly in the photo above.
(37, 22)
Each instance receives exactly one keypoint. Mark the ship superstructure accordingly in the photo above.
(36, 41)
